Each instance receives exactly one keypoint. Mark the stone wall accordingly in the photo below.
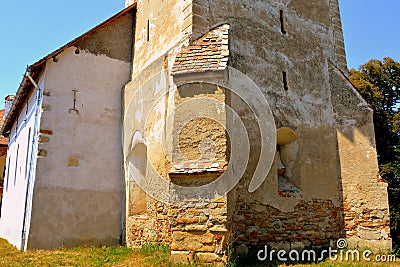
(365, 199)
(191, 231)
(313, 223)
(286, 48)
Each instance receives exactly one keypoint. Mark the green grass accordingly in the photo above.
(81, 256)
(119, 256)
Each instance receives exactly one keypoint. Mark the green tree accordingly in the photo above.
(379, 83)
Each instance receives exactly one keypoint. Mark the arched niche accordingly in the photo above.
(287, 150)
(137, 165)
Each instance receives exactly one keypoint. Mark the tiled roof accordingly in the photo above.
(2, 112)
(210, 52)
(3, 140)
(198, 167)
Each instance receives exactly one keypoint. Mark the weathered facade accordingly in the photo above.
(239, 126)
(188, 55)
(63, 185)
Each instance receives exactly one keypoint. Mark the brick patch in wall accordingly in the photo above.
(46, 131)
(73, 162)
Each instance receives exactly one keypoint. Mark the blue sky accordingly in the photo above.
(371, 30)
(32, 29)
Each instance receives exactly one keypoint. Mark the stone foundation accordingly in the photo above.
(312, 223)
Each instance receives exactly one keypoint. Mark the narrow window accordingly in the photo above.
(8, 172)
(148, 30)
(285, 83)
(282, 20)
(26, 112)
(16, 166)
(27, 153)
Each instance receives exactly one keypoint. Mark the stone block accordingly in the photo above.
(368, 234)
(207, 257)
(193, 241)
(218, 219)
(218, 228)
(196, 227)
(218, 211)
(185, 220)
(179, 257)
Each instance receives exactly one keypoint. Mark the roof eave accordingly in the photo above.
(36, 68)
(9, 118)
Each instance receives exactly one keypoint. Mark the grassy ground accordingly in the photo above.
(149, 255)
(105, 256)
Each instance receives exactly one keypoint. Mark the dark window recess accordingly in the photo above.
(282, 20)
(285, 83)
(148, 30)
(27, 153)
(16, 167)
(8, 172)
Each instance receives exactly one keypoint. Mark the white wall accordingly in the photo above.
(80, 205)
(21, 163)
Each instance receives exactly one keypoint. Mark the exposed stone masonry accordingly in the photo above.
(191, 231)
(365, 223)
(340, 52)
(312, 223)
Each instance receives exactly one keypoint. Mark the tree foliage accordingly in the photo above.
(379, 83)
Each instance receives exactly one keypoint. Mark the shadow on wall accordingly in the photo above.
(137, 161)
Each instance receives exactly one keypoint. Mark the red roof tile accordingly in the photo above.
(3, 140)
(2, 112)
(190, 167)
(210, 52)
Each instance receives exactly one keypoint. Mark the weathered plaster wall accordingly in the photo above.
(161, 25)
(305, 107)
(159, 28)
(201, 138)
(78, 187)
(291, 68)
(365, 199)
(115, 40)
